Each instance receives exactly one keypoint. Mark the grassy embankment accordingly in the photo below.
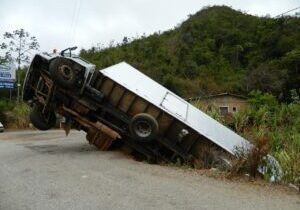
(14, 115)
(273, 127)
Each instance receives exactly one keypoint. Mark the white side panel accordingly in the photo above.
(175, 105)
(155, 93)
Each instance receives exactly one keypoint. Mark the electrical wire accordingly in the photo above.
(287, 12)
(74, 22)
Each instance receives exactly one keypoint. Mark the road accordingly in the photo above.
(46, 170)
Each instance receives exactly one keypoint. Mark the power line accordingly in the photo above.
(74, 22)
(287, 12)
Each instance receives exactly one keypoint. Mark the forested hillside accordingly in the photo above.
(215, 50)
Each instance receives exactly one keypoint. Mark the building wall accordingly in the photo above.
(231, 102)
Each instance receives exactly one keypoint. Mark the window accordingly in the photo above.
(223, 110)
(234, 109)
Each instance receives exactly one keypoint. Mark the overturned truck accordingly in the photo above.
(121, 104)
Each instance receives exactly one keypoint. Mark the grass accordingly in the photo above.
(13, 114)
(273, 128)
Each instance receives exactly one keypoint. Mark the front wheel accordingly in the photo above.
(63, 73)
(40, 121)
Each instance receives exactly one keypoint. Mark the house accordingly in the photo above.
(225, 102)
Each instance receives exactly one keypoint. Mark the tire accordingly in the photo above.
(63, 73)
(143, 127)
(39, 121)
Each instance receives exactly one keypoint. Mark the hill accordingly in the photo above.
(218, 49)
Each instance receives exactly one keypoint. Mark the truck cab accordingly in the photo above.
(49, 79)
(66, 70)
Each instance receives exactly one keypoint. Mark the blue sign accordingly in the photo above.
(7, 85)
(7, 72)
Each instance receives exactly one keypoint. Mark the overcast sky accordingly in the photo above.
(62, 23)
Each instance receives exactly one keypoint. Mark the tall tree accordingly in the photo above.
(18, 46)
(4, 57)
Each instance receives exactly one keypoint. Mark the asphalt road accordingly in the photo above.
(46, 170)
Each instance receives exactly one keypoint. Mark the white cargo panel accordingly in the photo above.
(175, 105)
(153, 92)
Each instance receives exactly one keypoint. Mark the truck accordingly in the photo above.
(121, 104)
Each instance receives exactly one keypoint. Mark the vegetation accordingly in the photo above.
(215, 50)
(13, 114)
(18, 47)
(273, 127)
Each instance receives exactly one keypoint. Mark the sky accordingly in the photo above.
(59, 24)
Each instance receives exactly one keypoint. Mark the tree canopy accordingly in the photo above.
(218, 49)
(18, 45)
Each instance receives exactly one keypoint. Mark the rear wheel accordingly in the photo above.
(40, 121)
(63, 73)
(143, 127)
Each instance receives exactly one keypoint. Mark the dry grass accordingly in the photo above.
(247, 162)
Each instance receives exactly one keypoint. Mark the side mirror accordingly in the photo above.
(70, 50)
(73, 48)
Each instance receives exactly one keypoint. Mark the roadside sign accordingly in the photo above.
(7, 85)
(7, 72)
(7, 76)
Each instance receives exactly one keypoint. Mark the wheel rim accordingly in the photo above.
(66, 72)
(143, 129)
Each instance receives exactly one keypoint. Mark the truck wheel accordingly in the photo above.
(63, 73)
(39, 121)
(143, 127)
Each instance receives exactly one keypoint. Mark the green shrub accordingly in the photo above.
(5, 106)
(266, 119)
(20, 117)
(13, 114)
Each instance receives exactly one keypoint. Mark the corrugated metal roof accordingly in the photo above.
(145, 87)
(216, 95)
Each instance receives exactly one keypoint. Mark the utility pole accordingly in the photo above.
(18, 71)
(18, 81)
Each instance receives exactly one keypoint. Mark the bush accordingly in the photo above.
(13, 114)
(248, 162)
(5, 106)
(272, 128)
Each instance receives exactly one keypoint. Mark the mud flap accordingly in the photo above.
(66, 126)
(101, 140)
